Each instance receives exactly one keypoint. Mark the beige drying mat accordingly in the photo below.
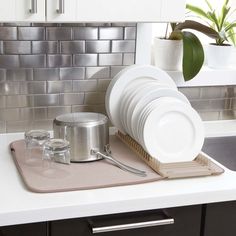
(200, 166)
(80, 176)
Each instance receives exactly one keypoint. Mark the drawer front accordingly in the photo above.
(37, 229)
(187, 222)
(220, 219)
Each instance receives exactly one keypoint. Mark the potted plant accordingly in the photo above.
(218, 53)
(182, 49)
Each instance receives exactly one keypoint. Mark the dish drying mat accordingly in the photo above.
(101, 174)
(200, 166)
(80, 176)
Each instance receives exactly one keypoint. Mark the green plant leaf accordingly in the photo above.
(193, 55)
(212, 16)
(189, 24)
(224, 12)
(197, 10)
(229, 26)
(209, 5)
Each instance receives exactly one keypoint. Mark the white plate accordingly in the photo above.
(131, 88)
(121, 81)
(145, 98)
(173, 132)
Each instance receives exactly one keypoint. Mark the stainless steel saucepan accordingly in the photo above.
(88, 134)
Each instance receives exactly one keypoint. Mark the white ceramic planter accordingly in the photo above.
(168, 54)
(219, 57)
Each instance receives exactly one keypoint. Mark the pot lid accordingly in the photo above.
(81, 119)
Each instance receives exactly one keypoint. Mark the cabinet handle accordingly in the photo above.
(61, 9)
(34, 5)
(97, 230)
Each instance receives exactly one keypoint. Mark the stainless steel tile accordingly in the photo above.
(84, 85)
(227, 115)
(19, 101)
(11, 114)
(128, 59)
(93, 98)
(231, 91)
(8, 33)
(110, 59)
(40, 113)
(220, 104)
(85, 60)
(59, 86)
(45, 24)
(18, 126)
(83, 108)
(59, 60)
(209, 115)
(31, 33)
(72, 24)
(213, 92)
(72, 47)
(85, 33)
(103, 84)
(45, 47)
(17, 47)
(46, 74)
(17, 24)
(53, 112)
(71, 99)
(32, 61)
(35, 87)
(130, 33)
(123, 46)
(116, 69)
(201, 104)
(2, 75)
(59, 33)
(9, 88)
(1, 47)
(46, 100)
(42, 124)
(97, 72)
(73, 73)
(3, 127)
(111, 33)
(19, 74)
(191, 92)
(26, 113)
(98, 46)
(96, 24)
(9, 61)
(2, 101)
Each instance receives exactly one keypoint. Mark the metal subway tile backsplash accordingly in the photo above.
(48, 69)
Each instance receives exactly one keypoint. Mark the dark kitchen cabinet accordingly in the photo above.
(187, 222)
(220, 219)
(36, 229)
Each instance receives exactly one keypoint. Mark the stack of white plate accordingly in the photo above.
(144, 102)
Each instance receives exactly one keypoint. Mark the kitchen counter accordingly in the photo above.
(18, 205)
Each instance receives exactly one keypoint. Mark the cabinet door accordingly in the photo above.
(119, 10)
(37, 229)
(187, 222)
(220, 219)
(30, 10)
(61, 10)
(7, 10)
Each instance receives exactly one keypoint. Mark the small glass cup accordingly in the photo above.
(34, 140)
(56, 150)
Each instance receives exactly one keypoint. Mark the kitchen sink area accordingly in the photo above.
(222, 149)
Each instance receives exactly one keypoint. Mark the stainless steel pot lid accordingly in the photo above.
(81, 119)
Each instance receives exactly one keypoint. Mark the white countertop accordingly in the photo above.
(18, 205)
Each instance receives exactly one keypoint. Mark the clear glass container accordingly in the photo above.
(34, 140)
(57, 150)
